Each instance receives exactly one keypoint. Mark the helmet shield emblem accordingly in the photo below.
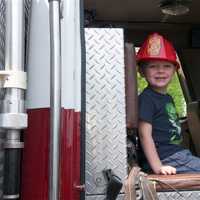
(154, 46)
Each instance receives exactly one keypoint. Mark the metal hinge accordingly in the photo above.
(80, 187)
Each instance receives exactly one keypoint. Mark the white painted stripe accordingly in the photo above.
(38, 93)
(71, 55)
(38, 90)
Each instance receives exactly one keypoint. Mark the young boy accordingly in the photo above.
(159, 128)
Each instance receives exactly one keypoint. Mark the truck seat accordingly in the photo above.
(183, 181)
(178, 182)
(163, 182)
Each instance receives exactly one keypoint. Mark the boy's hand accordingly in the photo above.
(167, 170)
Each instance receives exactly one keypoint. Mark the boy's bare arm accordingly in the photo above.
(145, 132)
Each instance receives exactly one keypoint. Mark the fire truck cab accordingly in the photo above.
(69, 93)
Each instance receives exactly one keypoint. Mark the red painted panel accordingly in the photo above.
(70, 157)
(35, 156)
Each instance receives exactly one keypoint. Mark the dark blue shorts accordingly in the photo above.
(184, 162)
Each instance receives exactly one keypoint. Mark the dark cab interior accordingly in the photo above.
(177, 20)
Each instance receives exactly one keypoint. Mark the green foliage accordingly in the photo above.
(141, 83)
(174, 90)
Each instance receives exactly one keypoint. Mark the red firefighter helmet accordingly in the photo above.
(156, 47)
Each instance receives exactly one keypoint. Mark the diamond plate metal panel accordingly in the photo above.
(2, 60)
(2, 39)
(2, 33)
(27, 7)
(103, 197)
(105, 107)
(183, 195)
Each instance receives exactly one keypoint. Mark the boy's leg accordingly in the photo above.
(184, 162)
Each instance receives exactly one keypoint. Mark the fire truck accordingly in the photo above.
(68, 76)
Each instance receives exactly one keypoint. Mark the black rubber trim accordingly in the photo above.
(12, 171)
(83, 100)
(53, 0)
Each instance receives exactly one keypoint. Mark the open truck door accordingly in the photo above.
(176, 20)
(98, 108)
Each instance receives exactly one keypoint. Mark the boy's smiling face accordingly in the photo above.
(158, 74)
